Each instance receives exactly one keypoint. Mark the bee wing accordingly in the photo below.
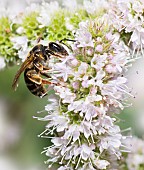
(24, 65)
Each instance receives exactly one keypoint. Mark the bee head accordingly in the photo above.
(57, 49)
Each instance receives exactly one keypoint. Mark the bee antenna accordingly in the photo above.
(65, 39)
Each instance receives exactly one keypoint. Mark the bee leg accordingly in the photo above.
(34, 77)
(45, 81)
(39, 66)
(44, 74)
(45, 69)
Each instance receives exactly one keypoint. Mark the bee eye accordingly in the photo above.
(55, 47)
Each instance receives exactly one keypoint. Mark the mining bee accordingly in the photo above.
(36, 67)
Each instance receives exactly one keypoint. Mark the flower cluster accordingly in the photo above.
(90, 89)
(135, 159)
(89, 84)
(51, 21)
(127, 17)
(6, 46)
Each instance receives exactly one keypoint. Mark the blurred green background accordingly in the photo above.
(18, 128)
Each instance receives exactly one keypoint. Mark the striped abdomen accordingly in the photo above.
(35, 89)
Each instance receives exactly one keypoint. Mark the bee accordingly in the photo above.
(36, 67)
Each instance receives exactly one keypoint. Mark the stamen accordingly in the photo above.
(39, 118)
(41, 111)
(61, 162)
(42, 132)
(118, 119)
(69, 162)
(43, 151)
(133, 53)
(69, 140)
(125, 146)
(117, 155)
(79, 141)
(125, 151)
(52, 146)
(78, 162)
(92, 138)
(142, 49)
(51, 131)
(88, 141)
(48, 137)
(125, 130)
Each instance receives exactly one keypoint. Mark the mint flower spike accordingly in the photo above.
(127, 17)
(91, 88)
(136, 154)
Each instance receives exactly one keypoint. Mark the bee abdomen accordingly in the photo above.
(35, 89)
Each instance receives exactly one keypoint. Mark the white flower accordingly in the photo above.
(98, 61)
(21, 43)
(138, 6)
(101, 164)
(32, 1)
(75, 85)
(2, 63)
(94, 97)
(82, 68)
(20, 30)
(75, 106)
(136, 154)
(44, 19)
(69, 26)
(62, 168)
(52, 105)
(85, 128)
(33, 7)
(65, 94)
(83, 36)
(23, 53)
(46, 12)
(3, 11)
(63, 70)
(99, 48)
(94, 6)
(110, 143)
(127, 16)
(87, 151)
(70, 5)
(137, 37)
(8, 8)
(90, 112)
(73, 131)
